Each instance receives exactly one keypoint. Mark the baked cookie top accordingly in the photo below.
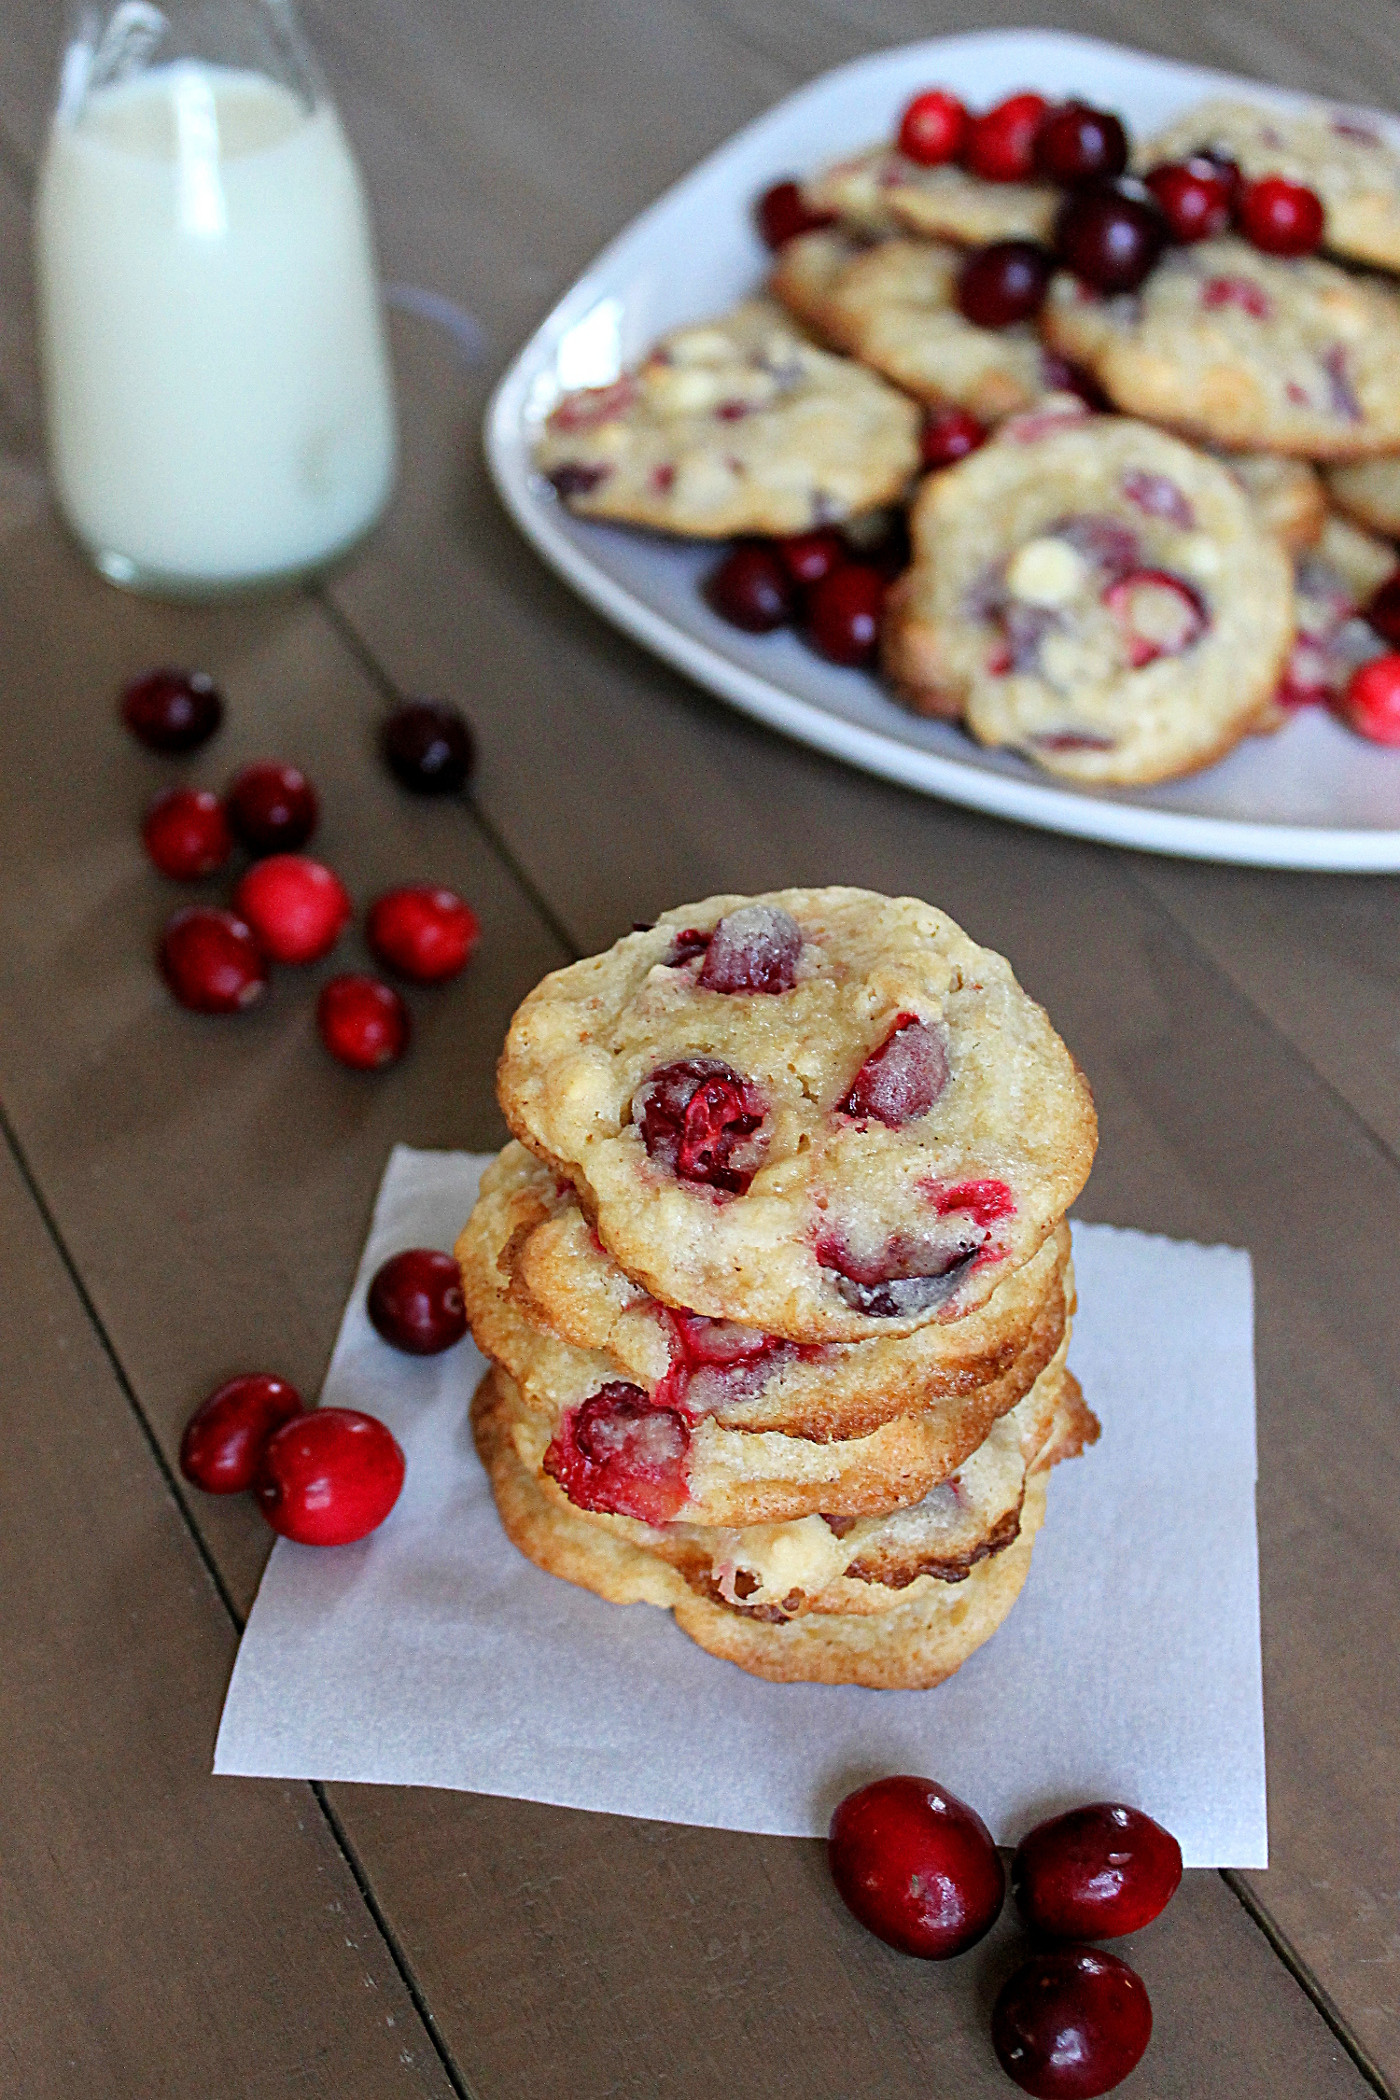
(894, 306)
(822, 1113)
(879, 191)
(1242, 349)
(1095, 594)
(1286, 495)
(738, 425)
(1369, 492)
(1338, 153)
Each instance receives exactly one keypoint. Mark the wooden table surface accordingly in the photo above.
(180, 1198)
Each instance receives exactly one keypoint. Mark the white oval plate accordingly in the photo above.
(1313, 796)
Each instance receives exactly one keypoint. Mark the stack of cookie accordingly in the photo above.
(776, 1283)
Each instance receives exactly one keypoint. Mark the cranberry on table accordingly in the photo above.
(186, 834)
(211, 961)
(1072, 2024)
(808, 556)
(1095, 1873)
(782, 213)
(1108, 238)
(1000, 144)
(1078, 143)
(297, 908)
(272, 807)
(752, 589)
(1281, 217)
(422, 931)
(1004, 282)
(843, 614)
(949, 434)
(1371, 702)
(1195, 197)
(172, 711)
(363, 1022)
(329, 1477)
(415, 1302)
(1383, 611)
(933, 128)
(428, 747)
(222, 1446)
(917, 1866)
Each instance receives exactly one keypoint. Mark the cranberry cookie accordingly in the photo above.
(879, 191)
(1095, 594)
(739, 425)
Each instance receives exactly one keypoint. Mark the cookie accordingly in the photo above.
(1369, 492)
(879, 191)
(1250, 351)
(1339, 153)
(824, 1114)
(1287, 496)
(1096, 595)
(1332, 581)
(894, 307)
(738, 425)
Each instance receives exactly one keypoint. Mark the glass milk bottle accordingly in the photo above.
(217, 392)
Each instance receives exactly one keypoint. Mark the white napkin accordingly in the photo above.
(434, 1654)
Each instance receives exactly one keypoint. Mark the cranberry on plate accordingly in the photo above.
(1072, 2024)
(843, 614)
(1003, 283)
(1078, 143)
(1195, 197)
(329, 1477)
(362, 1022)
(223, 1442)
(1095, 1873)
(933, 128)
(1109, 238)
(172, 711)
(423, 931)
(428, 747)
(297, 908)
(1281, 217)
(186, 833)
(752, 588)
(1371, 702)
(916, 1866)
(211, 961)
(1000, 144)
(949, 434)
(415, 1302)
(808, 556)
(782, 213)
(272, 807)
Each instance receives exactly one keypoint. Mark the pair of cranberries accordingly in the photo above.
(812, 579)
(268, 808)
(324, 1477)
(919, 1869)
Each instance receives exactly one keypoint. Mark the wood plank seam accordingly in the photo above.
(1303, 1977)
(337, 1830)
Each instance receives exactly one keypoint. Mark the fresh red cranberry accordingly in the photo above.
(1072, 2024)
(620, 1452)
(172, 711)
(752, 589)
(916, 1866)
(415, 1302)
(1078, 143)
(1371, 702)
(1003, 283)
(1109, 239)
(1383, 610)
(949, 434)
(1000, 144)
(223, 1442)
(211, 961)
(272, 807)
(329, 1477)
(1195, 197)
(783, 213)
(1159, 614)
(186, 833)
(933, 128)
(422, 931)
(903, 1078)
(297, 908)
(428, 747)
(1281, 217)
(363, 1023)
(808, 556)
(1095, 1873)
(1222, 164)
(753, 949)
(843, 614)
(693, 1116)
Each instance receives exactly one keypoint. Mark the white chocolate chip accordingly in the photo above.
(1046, 572)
